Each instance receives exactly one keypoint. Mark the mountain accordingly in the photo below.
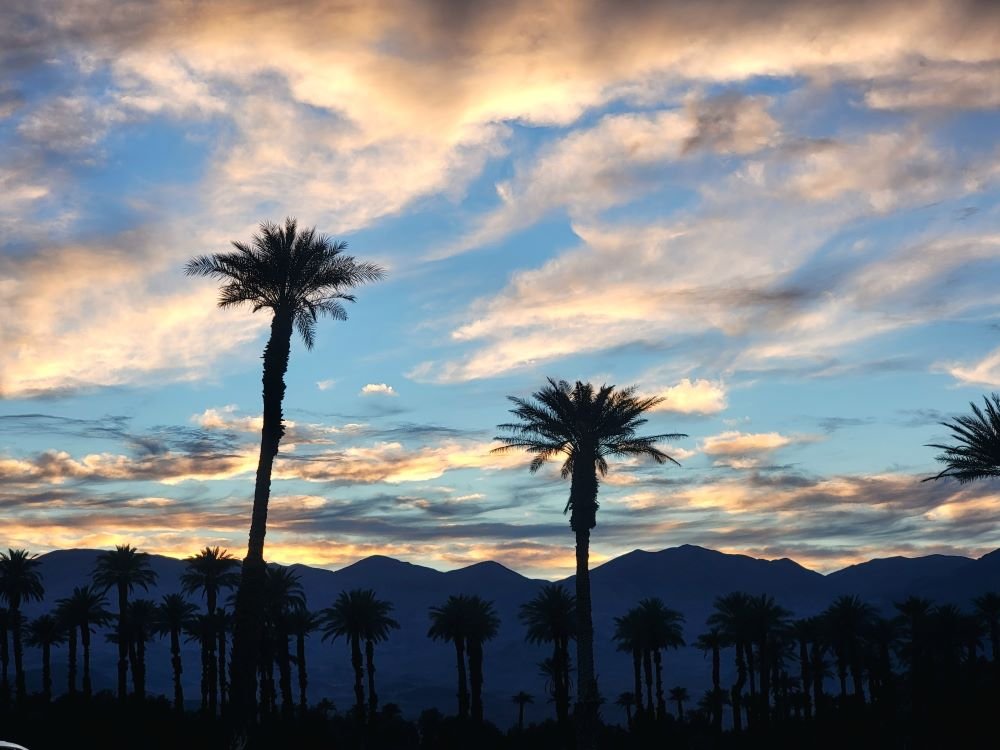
(418, 673)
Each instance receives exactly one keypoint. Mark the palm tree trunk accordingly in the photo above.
(359, 676)
(249, 615)
(804, 676)
(122, 642)
(463, 689)
(71, 672)
(476, 679)
(647, 659)
(47, 671)
(520, 716)
(817, 677)
(737, 689)
(285, 675)
(204, 677)
(140, 668)
(763, 705)
(223, 684)
(211, 599)
(561, 688)
(300, 661)
(15, 627)
(5, 656)
(680, 710)
(583, 500)
(637, 673)
(370, 663)
(175, 662)
(85, 641)
(661, 704)
(717, 687)
(565, 682)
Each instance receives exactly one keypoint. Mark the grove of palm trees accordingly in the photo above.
(904, 676)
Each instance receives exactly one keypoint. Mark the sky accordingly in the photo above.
(781, 217)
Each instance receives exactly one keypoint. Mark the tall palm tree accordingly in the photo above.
(975, 454)
(662, 630)
(297, 276)
(626, 700)
(522, 699)
(44, 632)
(482, 625)
(346, 618)
(20, 582)
(987, 609)
(142, 626)
(123, 569)
(630, 636)
(713, 641)
(449, 622)
(301, 622)
(679, 695)
(172, 615)
(585, 426)
(201, 629)
(82, 610)
(550, 617)
(377, 626)
(207, 573)
(767, 620)
(846, 622)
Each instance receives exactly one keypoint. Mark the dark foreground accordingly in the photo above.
(102, 723)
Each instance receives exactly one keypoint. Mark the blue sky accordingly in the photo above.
(783, 219)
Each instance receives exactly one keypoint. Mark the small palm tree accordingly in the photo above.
(123, 569)
(585, 427)
(846, 621)
(283, 593)
(44, 632)
(662, 630)
(626, 700)
(713, 641)
(988, 611)
(82, 610)
(630, 636)
(449, 623)
(297, 276)
(142, 626)
(208, 573)
(172, 615)
(20, 582)
(201, 629)
(768, 620)
(550, 617)
(301, 622)
(679, 695)
(733, 620)
(482, 625)
(521, 699)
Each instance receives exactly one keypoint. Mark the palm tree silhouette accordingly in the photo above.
(283, 593)
(298, 276)
(767, 620)
(142, 625)
(301, 622)
(713, 641)
(732, 618)
(586, 427)
(44, 632)
(662, 630)
(626, 700)
(201, 629)
(348, 618)
(377, 625)
(522, 699)
(846, 621)
(975, 454)
(987, 609)
(208, 572)
(124, 568)
(172, 614)
(630, 636)
(550, 617)
(4, 655)
(82, 610)
(482, 625)
(679, 695)
(450, 623)
(20, 582)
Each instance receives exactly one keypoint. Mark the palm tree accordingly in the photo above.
(20, 582)
(298, 276)
(44, 632)
(805, 631)
(732, 618)
(347, 618)
(586, 427)
(4, 655)
(142, 626)
(767, 620)
(626, 700)
(377, 625)
(208, 572)
(201, 629)
(629, 634)
(713, 641)
(846, 621)
(482, 625)
(521, 698)
(82, 610)
(172, 615)
(976, 451)
(662, 630)
(550, 617)
(301, 622)
(124, 569)
(282, 593)
(679, 695)
(988, 611)
(449, 622)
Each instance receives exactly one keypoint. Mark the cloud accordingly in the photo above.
(378, 389)
(693, 397)
(743, 450)
(325, 385)
(984, 372)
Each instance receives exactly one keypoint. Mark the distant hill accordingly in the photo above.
(417, 673)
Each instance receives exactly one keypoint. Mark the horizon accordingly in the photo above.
(790, 234)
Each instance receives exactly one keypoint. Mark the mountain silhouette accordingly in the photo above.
(417, 673)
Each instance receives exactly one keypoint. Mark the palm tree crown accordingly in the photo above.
(976, 452)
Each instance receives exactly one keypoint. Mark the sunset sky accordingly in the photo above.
(782, 217)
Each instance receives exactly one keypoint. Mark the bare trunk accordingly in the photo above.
(463, 689)
(359, 676)
(476, 678)
(122, 642)
(370, 663)
(583, 518)
(300, 659)
(175, 662)
(71, 674)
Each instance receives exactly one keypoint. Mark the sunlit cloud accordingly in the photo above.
(378, 389)
(693, 397)
(984, 372)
